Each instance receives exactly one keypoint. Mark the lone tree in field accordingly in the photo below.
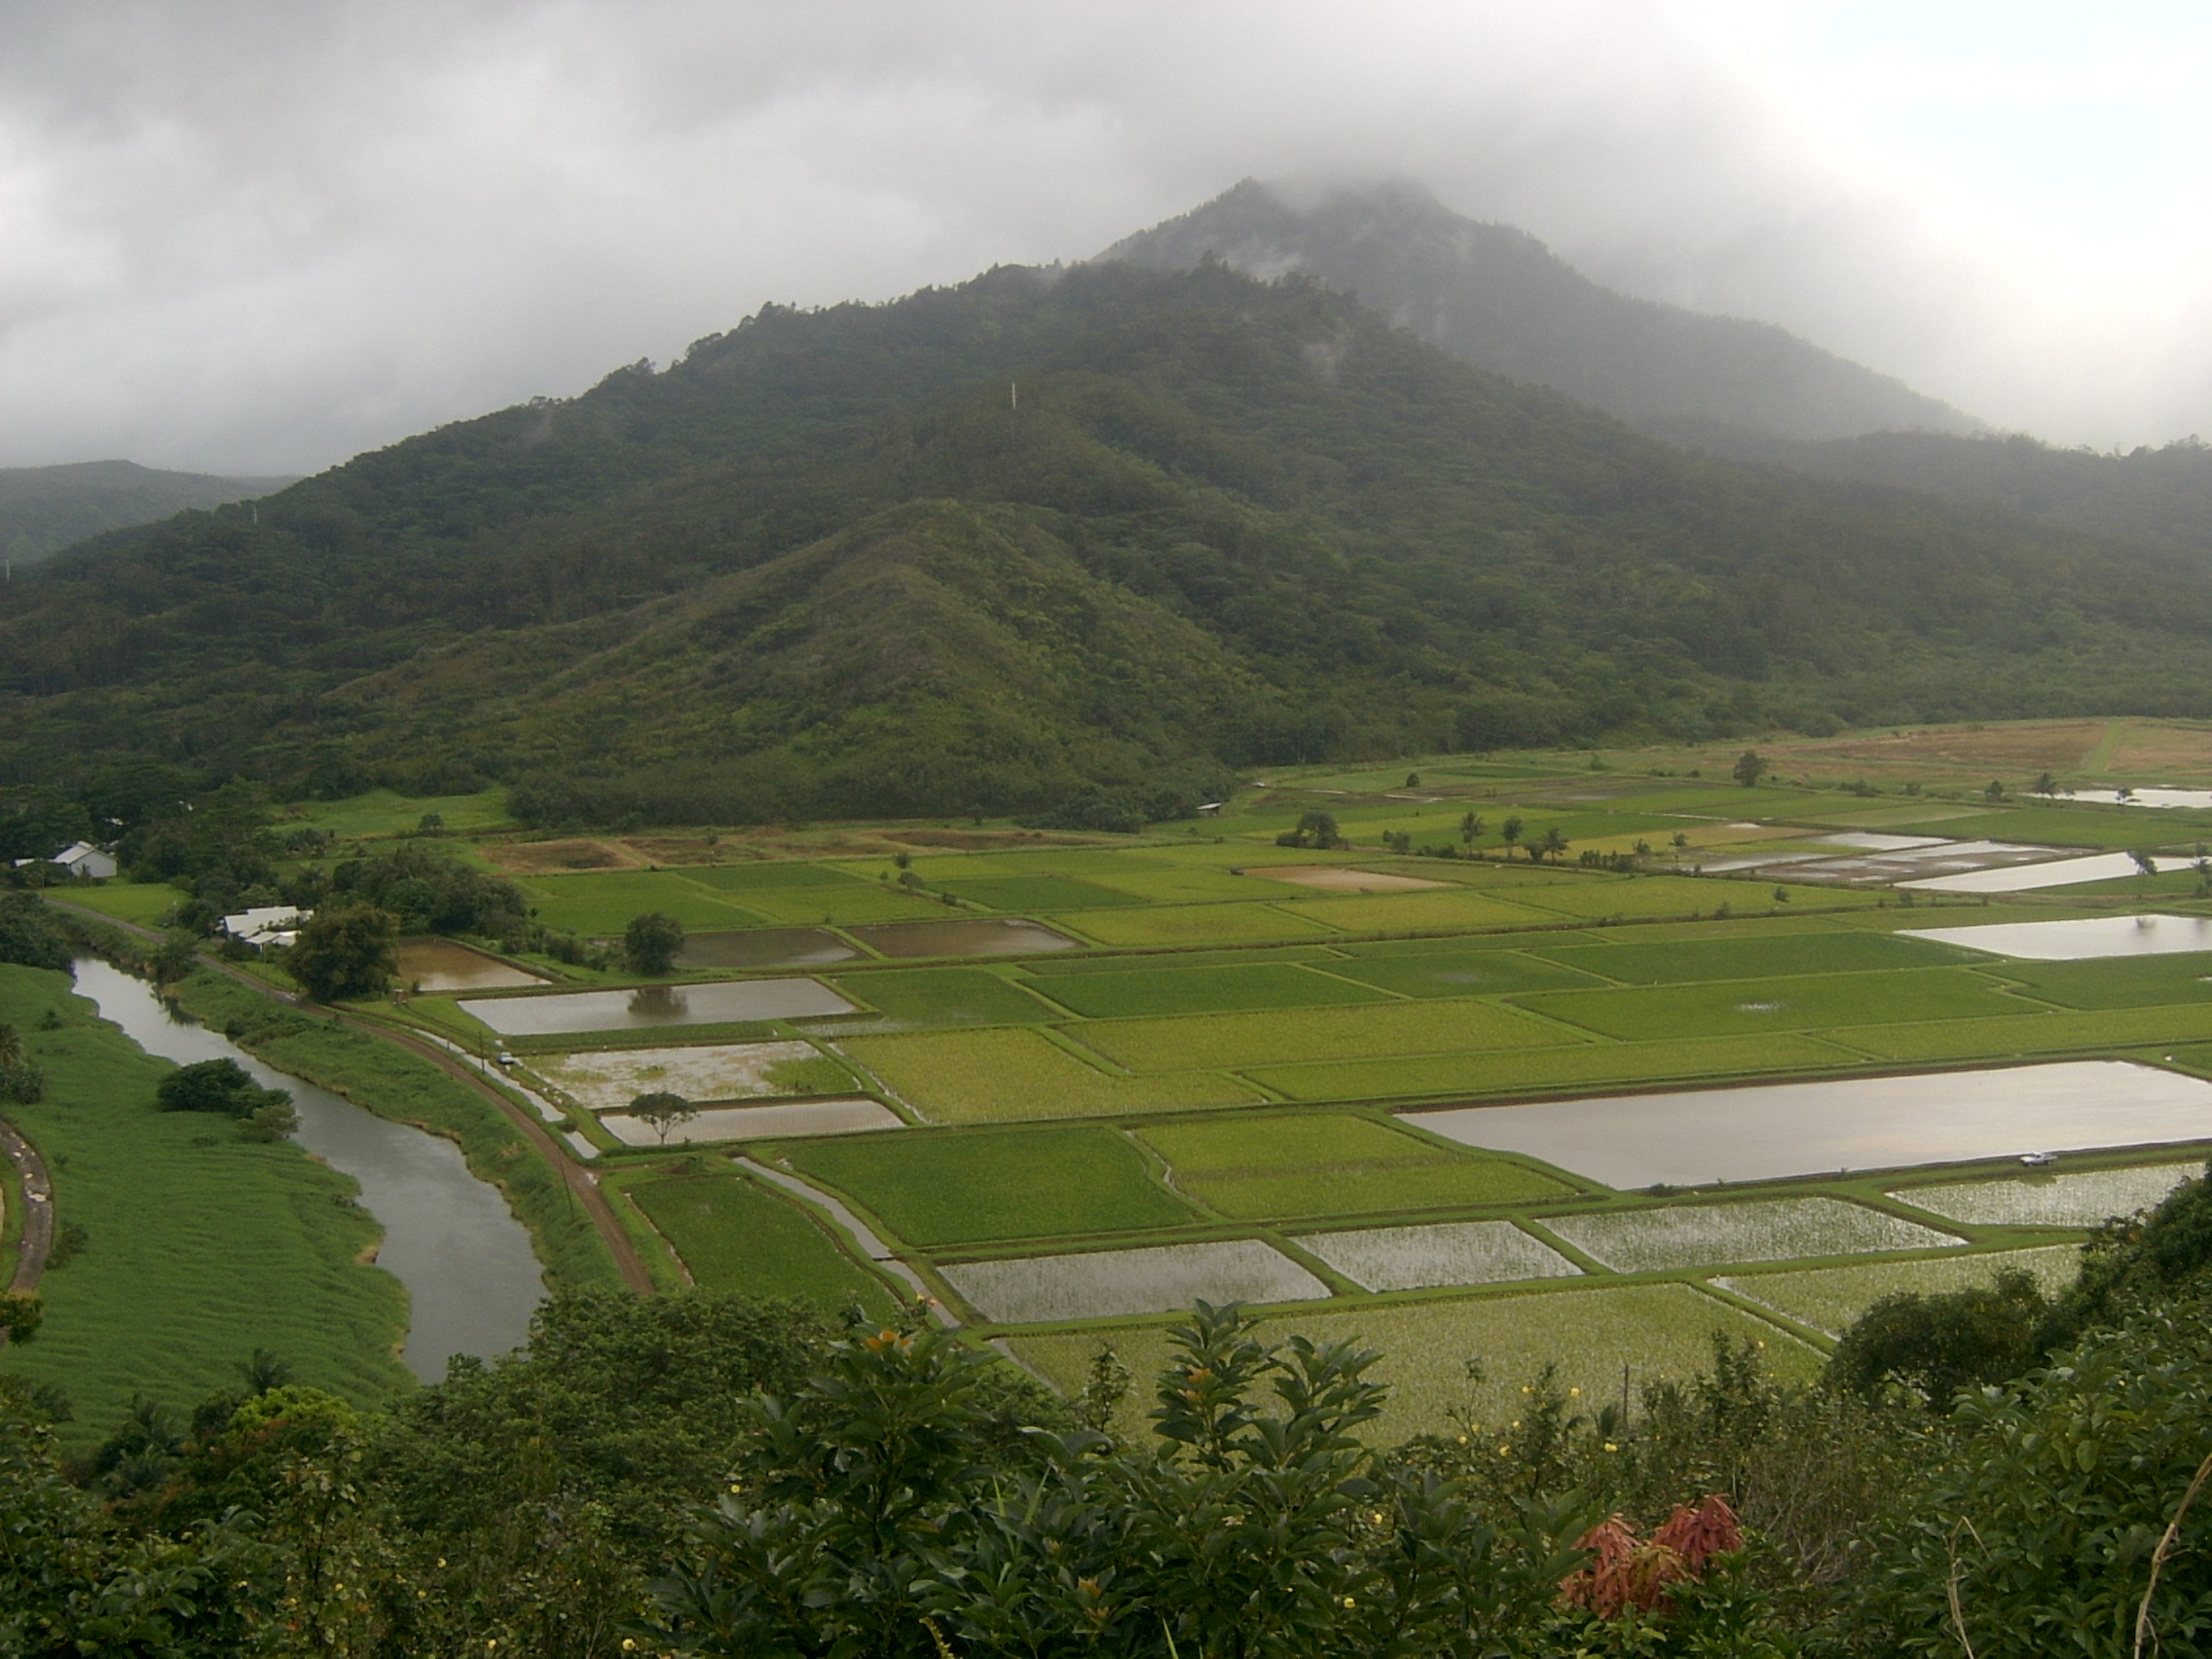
(1510, 829)
(1314, 830)
(344, 952)
(1749, 768)
(651, 942)
(662, 1112)
(1470, 828)
(1550, 845)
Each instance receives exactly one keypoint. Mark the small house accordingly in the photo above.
(85, 860)
(266, 924)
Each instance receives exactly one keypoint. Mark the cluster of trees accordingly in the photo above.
(226, 1087)
(705, 1475)
(428, 891)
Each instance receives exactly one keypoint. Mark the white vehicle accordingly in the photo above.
(2037, 1159)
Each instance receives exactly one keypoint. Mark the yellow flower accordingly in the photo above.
(1610, 1447)
(1347, 1601)
(1574, 1393)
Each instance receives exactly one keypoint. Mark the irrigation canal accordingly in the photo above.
(472, 1279)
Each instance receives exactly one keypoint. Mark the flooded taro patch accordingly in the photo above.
(1764, 1131)
(607, 1079)
(2082, 1198)
(1773, 1229)
(978, 937)
(1097, 1284)
(2081, 939)
(1417, 1258)
(765, 947)
(434, 965)
(647, 1006)
(759, 1122)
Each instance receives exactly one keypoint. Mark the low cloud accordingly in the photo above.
(263, 237)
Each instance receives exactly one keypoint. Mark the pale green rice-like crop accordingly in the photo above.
(1768, 1230)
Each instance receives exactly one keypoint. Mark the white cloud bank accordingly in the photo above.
(264, 236)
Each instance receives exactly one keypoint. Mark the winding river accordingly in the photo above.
(471, 1281)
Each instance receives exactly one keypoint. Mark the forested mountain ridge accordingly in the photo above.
(989, 546)
(1502, 300)
(44, 509)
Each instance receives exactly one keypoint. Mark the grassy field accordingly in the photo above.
(2044, 1034)
(778, 876)
(383, 812)
(974, 1188)
(125, 901)
(944, 996)
(1006, 1075)
(1655, 1331)
(1313, 1034)
(1324, 1164)
(1203, 990)
(735, 1235)
(1061, 967)
(1814, 1004)
(1690, 895)
(1422, 913)
(200, 1246)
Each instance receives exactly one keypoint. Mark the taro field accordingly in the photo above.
(1736, 1059)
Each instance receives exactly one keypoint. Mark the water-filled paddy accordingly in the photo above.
(608, 1080)
(435, 965)
(2201, 799)
(1772, 1131)
(2082, 1198)
(1098, 1284)
(765, 947)
(1776, 1229)
(973, 937)
(1458, 1252)
(2028, 878)
(2079, 941)
(647, 1006)
(759, 1122)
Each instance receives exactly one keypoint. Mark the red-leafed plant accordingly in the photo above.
(1628, 1571)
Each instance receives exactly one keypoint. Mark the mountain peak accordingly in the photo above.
(1499, 298)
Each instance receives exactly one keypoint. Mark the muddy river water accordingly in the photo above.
(472, 1279)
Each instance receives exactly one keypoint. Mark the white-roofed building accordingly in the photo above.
(266, 924)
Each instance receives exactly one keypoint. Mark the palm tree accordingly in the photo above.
(1511, 831)
(1470, 828)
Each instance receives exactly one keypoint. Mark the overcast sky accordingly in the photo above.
(261, 236)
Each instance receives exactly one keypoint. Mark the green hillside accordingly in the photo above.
(44, 509)
(985, 548)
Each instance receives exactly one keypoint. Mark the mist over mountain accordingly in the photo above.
(1046, 534)
(1499, 299)
(44, 509)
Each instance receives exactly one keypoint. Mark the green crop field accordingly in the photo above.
(2114, 981)
(1006, 1075)
(1061, 967)
(200, 1246)
(973, 1189)
(1657, 1331)
(1305, 1166)
(1169, 884)
(2044, 1034)
(946, 996)
(1461, 973)
(1812, 1004)
(1035, 892)
(733, 1234)
(1422, 913)
(773, 876)
(1314, 1034)
(859, 903)
(1687, 896)
(1189, 924)
(1829, 1299)
(1687, 960)
(1203, 990)
(1392, 948)
(603, 901)
(1535, 1070)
